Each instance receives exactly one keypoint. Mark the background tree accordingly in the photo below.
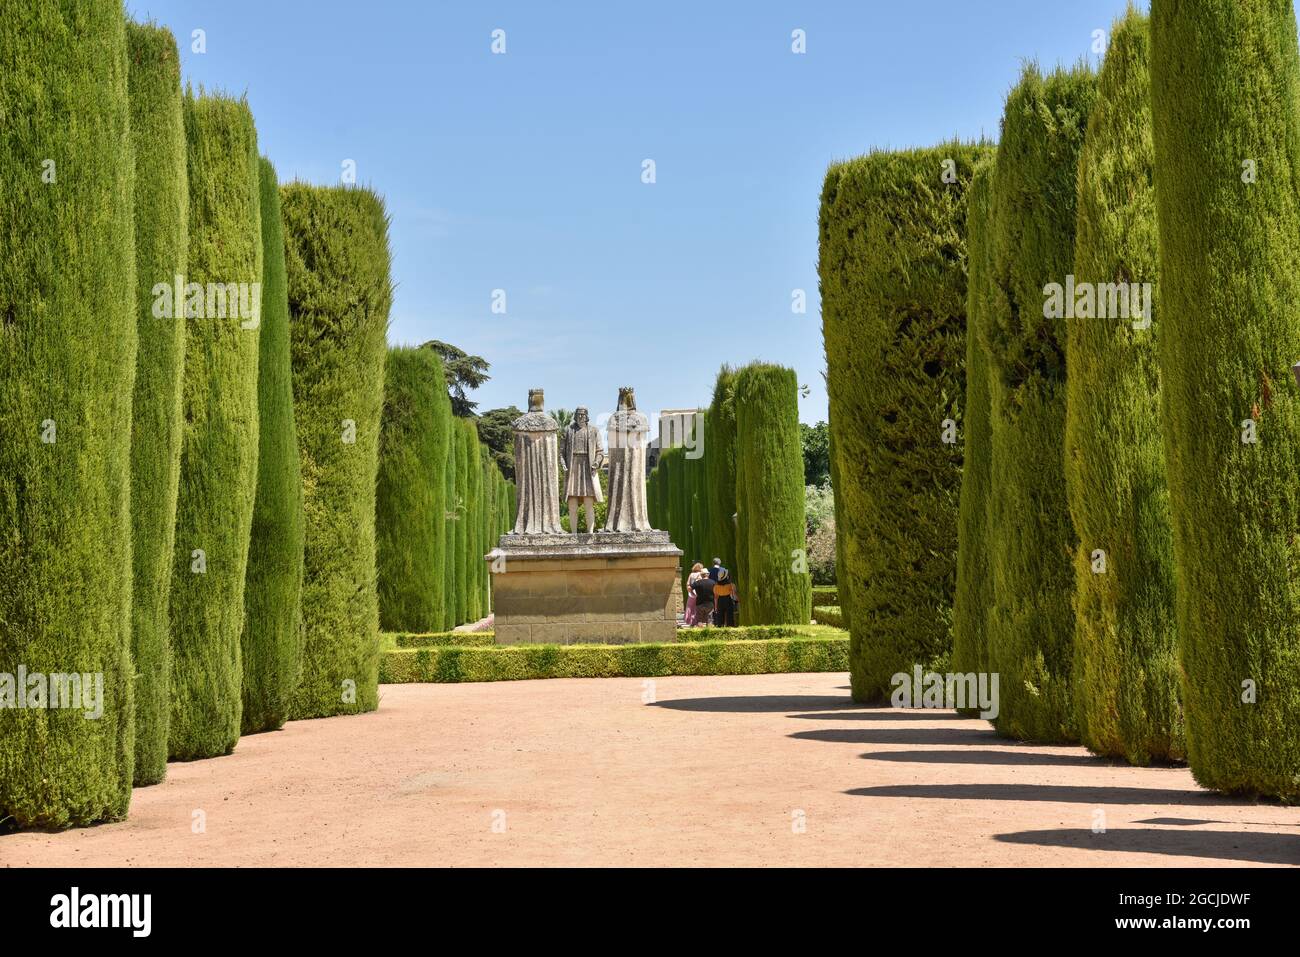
(816, 453)
(494, 431)
(464, 371)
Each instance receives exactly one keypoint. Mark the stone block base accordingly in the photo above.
(602, 588)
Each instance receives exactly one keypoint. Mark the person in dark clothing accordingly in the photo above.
(717, 567)
(724, 597)
(703, 601)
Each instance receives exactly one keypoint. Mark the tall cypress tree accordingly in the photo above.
(218, 482)
(271, 647)
(1225, 81)
(67, 358)
(1031, 626)
(768, 441)
(411, 505)
(340, 291)
(161, 241)
(1125, 670)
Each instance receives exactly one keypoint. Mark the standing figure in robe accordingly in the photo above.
(627, 449)
(537, 470)
(582, 456)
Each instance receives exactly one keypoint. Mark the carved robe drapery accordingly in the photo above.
(627, 449)
(582, 455)
(537, 474)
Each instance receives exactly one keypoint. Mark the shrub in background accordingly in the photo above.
(893, 278)
(161, 241)
(219, 446)
(1225, 82)
(778, 587)
(411, 506)
(720, 467)
(1031, 626)
(340, 291)
(460, 439)
(67, 358)
(450, 572)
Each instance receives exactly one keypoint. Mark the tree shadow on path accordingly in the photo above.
(1256, 847)
(743, 704)
(972, 735)
(1059, 793)
(1015, 757)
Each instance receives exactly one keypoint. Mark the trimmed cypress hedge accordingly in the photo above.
(828, 615)
(973, 598)
(460, 439)
(272, 640)
(218, 480)
(1125, 667)
(768, 442)
(1031, 625)
(844, 601)
(893, 277)
(720, 468)
(825, 595)
(470, 519)
(523, 662)
(411, 505)
(67, 357)
(340, 292)
(161, 241)
(451, 491)
(1230, 329)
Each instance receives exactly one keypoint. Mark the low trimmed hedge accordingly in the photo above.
(828, 615)
(824, 595)
(392, 640)
(822, 650)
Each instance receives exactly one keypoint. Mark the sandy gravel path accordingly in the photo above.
(746, 770)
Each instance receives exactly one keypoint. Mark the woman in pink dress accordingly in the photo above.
(697, 572)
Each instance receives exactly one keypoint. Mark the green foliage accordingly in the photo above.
(496, 432)
(828, 615)
(1225, 82)
(218, 480)
(464, 372)
(340, 292)
(477, 639)
(720, 468)
(1125, 666)
(520, 662)
(450, 556)
(893, 278)
(825, 595)
(1031, 625)
(974, 593)
(411, 494)
(161, 241)
(816, 441)
(271, 647)
(776, 590)
(470, 519)
(67, 355)
(460, 511)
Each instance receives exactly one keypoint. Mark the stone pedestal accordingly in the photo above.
(606, 587)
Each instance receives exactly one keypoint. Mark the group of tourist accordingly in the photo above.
(711, 597)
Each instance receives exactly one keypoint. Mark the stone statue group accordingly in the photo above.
(540, 452)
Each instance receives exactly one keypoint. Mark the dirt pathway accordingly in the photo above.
(752, 770)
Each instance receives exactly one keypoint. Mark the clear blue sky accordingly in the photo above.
(522, 171)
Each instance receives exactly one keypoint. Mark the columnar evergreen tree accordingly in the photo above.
(161, 241)
(219, 447)
(893, 278)
(471, 519)
(779, 589)
(411, 496)
(1225, 84)
(460, 438)
(271, 647)
(1031, 626)
(67, 359)
(974, 595)
(451, 495)
(720, 466)
(1125, 668)
(340, 292)
(845, 598)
